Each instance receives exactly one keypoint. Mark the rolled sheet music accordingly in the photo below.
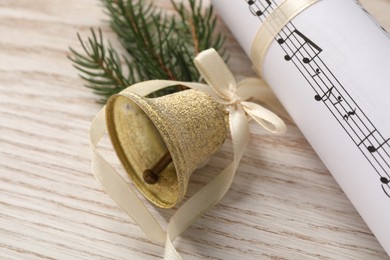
(329, 66)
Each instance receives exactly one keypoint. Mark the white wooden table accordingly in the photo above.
(283, 204)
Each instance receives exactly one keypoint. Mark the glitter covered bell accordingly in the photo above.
(161, 141)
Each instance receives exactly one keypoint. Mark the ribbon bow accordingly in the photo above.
(224, 89)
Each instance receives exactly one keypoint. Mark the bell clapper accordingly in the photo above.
(151, 175)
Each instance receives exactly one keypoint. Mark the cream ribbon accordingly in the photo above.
(272, 25)
(224, 89)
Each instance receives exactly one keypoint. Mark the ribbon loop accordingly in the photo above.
(264, 117)
(215, 72)
(218, 76)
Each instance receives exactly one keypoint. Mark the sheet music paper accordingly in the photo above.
(330, 67)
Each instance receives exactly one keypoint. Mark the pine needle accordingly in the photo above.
(158, 45)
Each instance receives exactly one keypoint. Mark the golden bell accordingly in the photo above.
(161, 141)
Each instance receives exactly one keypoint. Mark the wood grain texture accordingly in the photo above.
(283, 204)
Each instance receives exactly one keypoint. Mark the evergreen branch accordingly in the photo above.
(158, 45)
(100, 66)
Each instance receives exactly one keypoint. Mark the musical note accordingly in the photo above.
(326, 95)
(259, 12)
(339, 100)
(373, 149)
(385, 185)
(349, 114)
(317, 72)
(306, 41)
(385, 180)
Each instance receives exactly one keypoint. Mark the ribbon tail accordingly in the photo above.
(264, 117)
(196, 206)
(213, 192)
(170, 252)
(119, 190)
(239, 130)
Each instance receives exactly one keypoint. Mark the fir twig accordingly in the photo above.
(158, 45)
(100, 66)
